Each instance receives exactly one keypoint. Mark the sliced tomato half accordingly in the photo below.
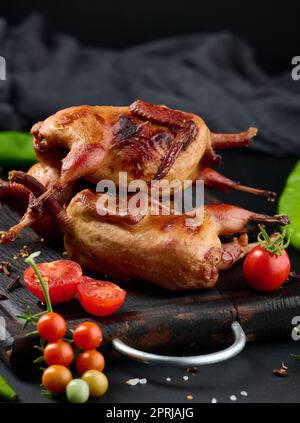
(62, 277)
(100, 298)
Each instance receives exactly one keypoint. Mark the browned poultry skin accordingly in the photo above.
(169, 251)
(149, 142)
(18, 197)
(159, 249)
(97, 142)
(165, 250)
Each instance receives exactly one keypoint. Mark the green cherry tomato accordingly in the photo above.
(97, 382)
(289, 203)
(77, 391)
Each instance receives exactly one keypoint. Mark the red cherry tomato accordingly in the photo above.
(87, 336)
(62, 277)
(265, 271)
(99, 297)
(90, 360)
(51, 326)
(59, 352)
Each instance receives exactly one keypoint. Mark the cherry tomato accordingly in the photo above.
(97, 382)
(90, 360)
(265, 271)
(99, 297)
(56, 378)
(51, 326)
(62, 277)
(59, 352)
(87, 336)
(78, 391)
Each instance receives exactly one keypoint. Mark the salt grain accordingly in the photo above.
(132, 382)
(185, 378)
(136, 381)
(214, 401)
(168, 379)
(233, 398)
(244, 393)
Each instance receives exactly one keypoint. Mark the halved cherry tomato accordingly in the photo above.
(100, 298)
(59, 352)
(51, 326)
(265, 271)
(62, 277)
(55, 378)
(90, 360)
(87, 336)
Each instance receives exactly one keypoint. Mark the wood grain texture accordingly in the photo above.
(262, 315)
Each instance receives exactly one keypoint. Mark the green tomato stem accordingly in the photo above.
(44, 284)
(273, 246)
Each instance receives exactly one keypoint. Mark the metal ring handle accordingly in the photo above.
(189, 361)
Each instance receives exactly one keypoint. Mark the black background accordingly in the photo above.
(271, 27)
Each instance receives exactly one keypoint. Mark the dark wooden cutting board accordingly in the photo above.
(151, 319)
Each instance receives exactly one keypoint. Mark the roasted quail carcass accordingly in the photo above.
(146, 141)
(169, 251)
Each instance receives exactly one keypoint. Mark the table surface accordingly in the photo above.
(251, 371)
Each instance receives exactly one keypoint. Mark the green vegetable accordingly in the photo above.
(78, 391)
(6, 391)
(16, 149)
(29, 317)
(289, 203)
(275, 246)
(44, 284)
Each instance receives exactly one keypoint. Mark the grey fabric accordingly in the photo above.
(213, 75)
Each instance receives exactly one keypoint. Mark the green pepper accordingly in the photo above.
(16, 149)
(6, 391)
(289, 203)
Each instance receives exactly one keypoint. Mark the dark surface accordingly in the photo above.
(252, 370)
(153, 319)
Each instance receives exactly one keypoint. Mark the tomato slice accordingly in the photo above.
(100, 298)
(62, 277)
